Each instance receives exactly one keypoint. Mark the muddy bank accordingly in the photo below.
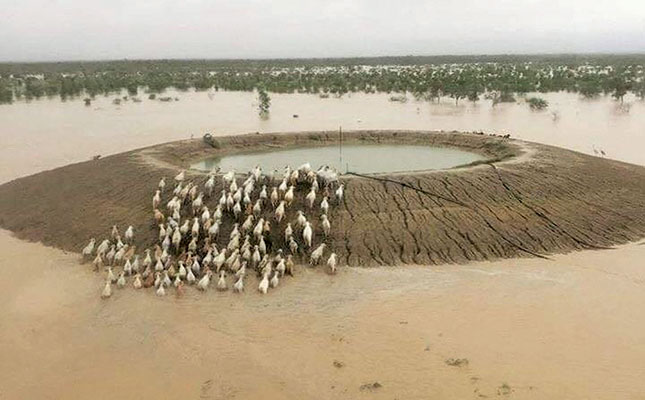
(550, 200)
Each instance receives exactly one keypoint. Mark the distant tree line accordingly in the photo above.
(460, 77)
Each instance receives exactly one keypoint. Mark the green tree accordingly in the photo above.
(265, 102)
(6, 94)
(536, 103)
(133, 89)
(619, 87)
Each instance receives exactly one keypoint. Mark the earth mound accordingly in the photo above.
(525, 199)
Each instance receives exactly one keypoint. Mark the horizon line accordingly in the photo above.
(232, 59)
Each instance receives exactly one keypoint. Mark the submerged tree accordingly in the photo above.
(536, 103)
(133, 89)
(265, 102)
(639, 89)
(619, 87)
(6, 94)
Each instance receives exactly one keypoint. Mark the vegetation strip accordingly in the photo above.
(497, 78)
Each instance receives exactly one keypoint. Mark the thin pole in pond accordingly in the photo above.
(340, 147)
(340, 169)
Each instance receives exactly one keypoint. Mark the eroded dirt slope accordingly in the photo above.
(552, 200)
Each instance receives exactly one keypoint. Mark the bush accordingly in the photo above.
(6, 95)
(265, 102)
(399, 98)
(537, 103)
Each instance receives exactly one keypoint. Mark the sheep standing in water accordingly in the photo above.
(137, 282)
(205, 281)
(221, 282)
(263, 287)
(331, 263)
(120, 283)
(238, 286)
(317, 254)
(107, 290)
(103, 247)
(275, 280)
(89, 249)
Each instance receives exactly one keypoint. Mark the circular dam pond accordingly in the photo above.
(362, 158)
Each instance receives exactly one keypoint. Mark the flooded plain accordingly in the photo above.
(569, 327)
(64, 132)
(354, 158)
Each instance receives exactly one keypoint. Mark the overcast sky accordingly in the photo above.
(33, 30)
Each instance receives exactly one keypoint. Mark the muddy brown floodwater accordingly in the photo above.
(570, 327)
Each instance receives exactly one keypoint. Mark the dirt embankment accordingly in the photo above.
(554, 200)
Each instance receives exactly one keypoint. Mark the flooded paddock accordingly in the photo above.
(522, 325)
(72, 132)
(363, 158)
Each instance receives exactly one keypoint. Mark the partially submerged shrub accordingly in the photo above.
(457, 362)
(537, 103)
(401, 98)
(211, 141)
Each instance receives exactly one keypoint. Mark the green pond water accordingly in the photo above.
(355, 158)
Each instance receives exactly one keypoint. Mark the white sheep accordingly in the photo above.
(89, 249)
(324, 205)
(317, 254)
(263, 287)
(279, 211)
(210, 185)
(288, 197)
(107, 290)
(129, 234)
(308, 234)
(221, 282)
(156, 200)
(238, 287)
(326, 225)
(311, 198)
(103, 247)
(180, 176)
(205, 281)
(331, 263)
(339, 193)
(274, 281)
(288, 232)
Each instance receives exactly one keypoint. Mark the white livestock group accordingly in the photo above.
(189, 232)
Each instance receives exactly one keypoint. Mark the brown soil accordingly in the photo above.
(528, 200)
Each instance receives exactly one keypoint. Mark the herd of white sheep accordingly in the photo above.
(192, 222)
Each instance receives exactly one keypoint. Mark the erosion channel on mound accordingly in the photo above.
(522, 199)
